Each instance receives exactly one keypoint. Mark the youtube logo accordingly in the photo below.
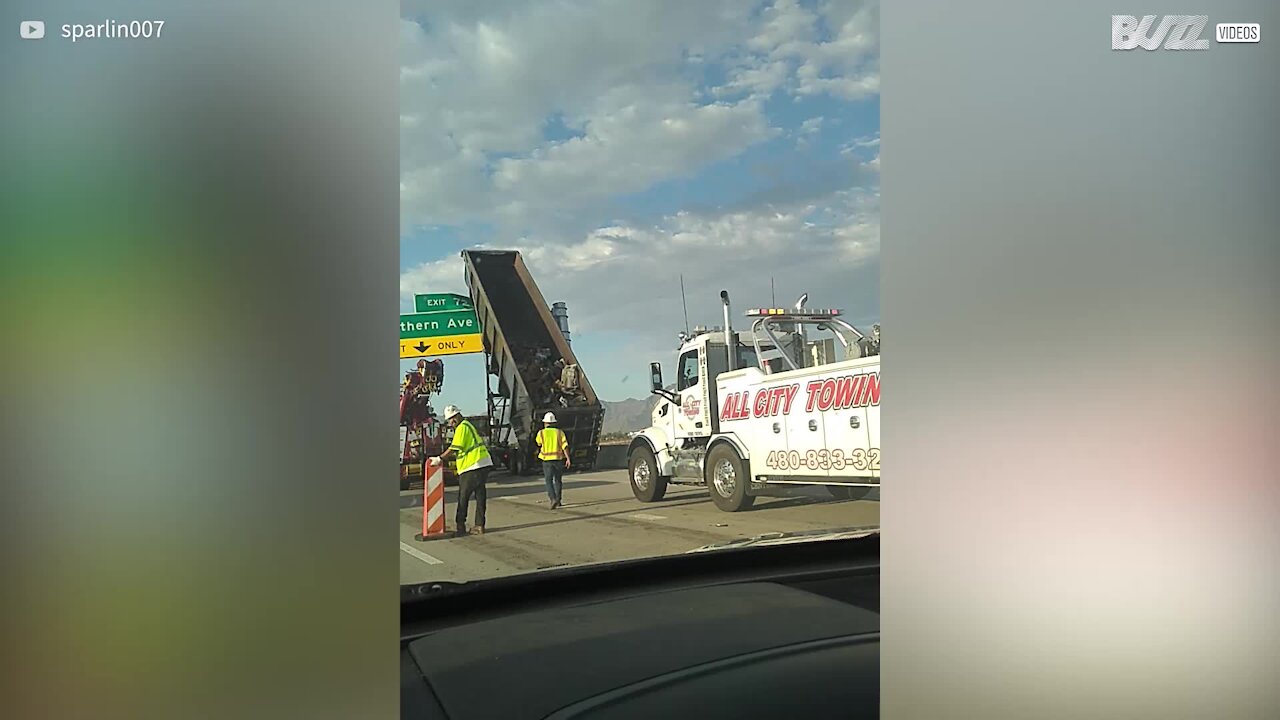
(31, 29)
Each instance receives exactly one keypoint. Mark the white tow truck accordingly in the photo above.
(798, 403)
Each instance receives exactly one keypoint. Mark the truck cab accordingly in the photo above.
(768, 414)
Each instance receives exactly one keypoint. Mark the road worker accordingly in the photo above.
(553, 451)
(473, 465)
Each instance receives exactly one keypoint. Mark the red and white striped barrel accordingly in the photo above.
(432, 499)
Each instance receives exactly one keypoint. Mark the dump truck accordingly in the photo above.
(794, 401)
(531, 368)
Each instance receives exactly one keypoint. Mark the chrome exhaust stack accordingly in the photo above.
(730, 340)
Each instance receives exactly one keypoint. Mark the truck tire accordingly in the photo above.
(727, 479)
(642, 470)
(845, 492)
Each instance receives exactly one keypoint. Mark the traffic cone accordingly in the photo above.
(432, 501)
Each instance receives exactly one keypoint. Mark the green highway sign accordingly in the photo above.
(439, 324)
(440, 302)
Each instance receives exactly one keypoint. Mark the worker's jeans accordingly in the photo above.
(553, 474)
(471, 483)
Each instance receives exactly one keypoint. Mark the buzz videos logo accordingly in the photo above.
(1175, 32)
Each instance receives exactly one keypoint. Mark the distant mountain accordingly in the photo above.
(628, 415)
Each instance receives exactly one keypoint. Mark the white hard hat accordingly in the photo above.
(450, 411)
(549, 418)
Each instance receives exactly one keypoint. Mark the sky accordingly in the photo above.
(619, 145)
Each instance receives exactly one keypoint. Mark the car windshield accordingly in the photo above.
(567, 226)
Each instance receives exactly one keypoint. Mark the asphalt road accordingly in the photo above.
(601, 521)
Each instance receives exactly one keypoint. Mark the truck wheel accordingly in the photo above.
(844, 492)
(646, 484)
(727, 479)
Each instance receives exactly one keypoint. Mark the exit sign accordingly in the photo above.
(440, 302)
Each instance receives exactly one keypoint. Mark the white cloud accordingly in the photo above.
(872, 140)
(789, 52)
(438, 276)
(480, 80)
(812, 248)
(862, 143)
(758, 77)
(828, 247)
(628, 146)
(807, 131)
(813, 82)
(479, 87)
(787, 27)
(846, 66)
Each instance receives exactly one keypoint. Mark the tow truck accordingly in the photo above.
(774, 408)
(422, 434)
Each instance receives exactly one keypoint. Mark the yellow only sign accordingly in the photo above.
(431, 347)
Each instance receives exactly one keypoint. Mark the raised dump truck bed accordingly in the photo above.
(522, 343)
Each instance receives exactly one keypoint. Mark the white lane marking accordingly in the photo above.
(420, 555)
(644, 516)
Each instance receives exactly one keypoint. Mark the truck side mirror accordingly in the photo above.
(655, 377)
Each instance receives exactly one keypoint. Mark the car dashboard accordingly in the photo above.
(766, 641)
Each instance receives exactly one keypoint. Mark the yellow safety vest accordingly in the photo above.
(471, 452)
(552, 444)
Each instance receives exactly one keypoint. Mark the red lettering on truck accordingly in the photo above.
(843, 393)
(827, 395)
(778, 400)
(769, 402)
(761, 407)
(790, 391)
(735, 406)
(726, 411)
(837, 393)
(872, 386)
(859, 385)
(812, 388)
